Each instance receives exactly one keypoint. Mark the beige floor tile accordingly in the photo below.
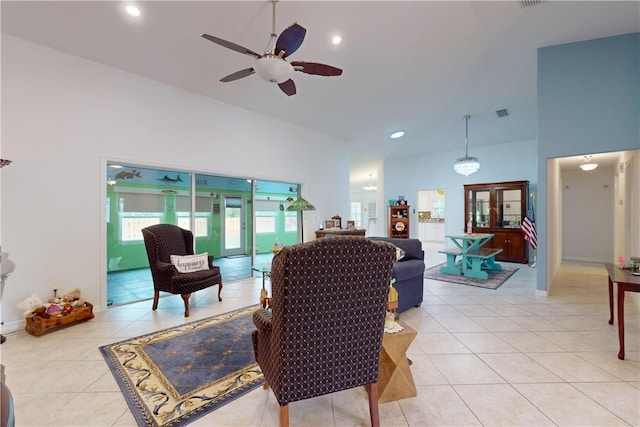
(571, 368)
(498, 324)
(459, 324)
(437, 406)
(484, 342)
(248, 410)
(536, 323)
(519, 368)
(439, 344)
(105, 408)
(465, 369)
(582, 340)
(501, 405)
(475, 310)
(567, 406)
(424, 372)
(529, 342)
(619, 398)
(626, 370)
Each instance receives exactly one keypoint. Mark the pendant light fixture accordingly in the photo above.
(466, 165)
(371, 186)
(587, 164)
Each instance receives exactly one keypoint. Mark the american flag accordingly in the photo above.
(529, 226)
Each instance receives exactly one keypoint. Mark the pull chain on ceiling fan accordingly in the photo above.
(272, 66)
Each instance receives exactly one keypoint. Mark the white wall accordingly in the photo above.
(553, 254)
(588, 215)
(63, 117)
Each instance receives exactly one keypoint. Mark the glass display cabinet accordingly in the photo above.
(499, 208)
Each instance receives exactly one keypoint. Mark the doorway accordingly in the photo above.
(234, 226)
(431, 222)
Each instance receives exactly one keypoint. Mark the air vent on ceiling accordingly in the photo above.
(502, 113)
(528, 3)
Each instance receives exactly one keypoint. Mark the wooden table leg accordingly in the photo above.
(621, 319)
(610, 301)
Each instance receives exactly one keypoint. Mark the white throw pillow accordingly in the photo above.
(190, 263)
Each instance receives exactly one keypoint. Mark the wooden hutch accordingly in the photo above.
(499, 208)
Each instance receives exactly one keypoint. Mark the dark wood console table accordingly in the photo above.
(627, 282)
(340, 232)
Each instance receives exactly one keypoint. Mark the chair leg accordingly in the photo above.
(373, 404)
(265, 385)
(219, 291)
(284, 416)
(185, 298)
(156, 296)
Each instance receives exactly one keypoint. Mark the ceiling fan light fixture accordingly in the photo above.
(466, 165)
(587, 164)
(133, 11)
(273, 69)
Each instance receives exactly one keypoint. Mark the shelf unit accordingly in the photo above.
(499, 208)
(399, 221)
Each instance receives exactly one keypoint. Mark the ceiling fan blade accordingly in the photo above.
(288, 87)
(231, 46)
(290, 40)
(315, 68)
(238, 75)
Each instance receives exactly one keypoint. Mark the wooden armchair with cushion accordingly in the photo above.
(324, 331)
(164, 240)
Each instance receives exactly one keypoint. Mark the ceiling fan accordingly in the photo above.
(272, 66)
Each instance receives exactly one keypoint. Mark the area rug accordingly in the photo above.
(495, 280)
(175, 376)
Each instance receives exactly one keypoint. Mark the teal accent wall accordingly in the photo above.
(588, 102)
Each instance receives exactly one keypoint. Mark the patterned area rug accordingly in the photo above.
(174, 376)
(495, 280)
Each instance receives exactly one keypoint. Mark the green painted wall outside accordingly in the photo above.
(132, 255)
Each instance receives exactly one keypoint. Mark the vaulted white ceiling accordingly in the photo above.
(419, 66)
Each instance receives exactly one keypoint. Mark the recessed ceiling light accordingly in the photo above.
(398, 134)
(336, 40)
(132, 10)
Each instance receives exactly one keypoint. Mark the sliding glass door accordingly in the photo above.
(220, 212)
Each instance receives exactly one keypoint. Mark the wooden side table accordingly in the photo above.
(626, 283)
(394, 375)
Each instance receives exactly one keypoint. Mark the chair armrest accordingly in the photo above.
(262, 320)
(211, 258)
(166, 267)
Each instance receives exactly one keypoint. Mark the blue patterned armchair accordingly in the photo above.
(324, 332)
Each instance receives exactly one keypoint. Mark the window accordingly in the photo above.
(356, 213)
(265, 222)
(266, 215)
(132, 225)
(137, 211)
(291, 221)
(202, 225)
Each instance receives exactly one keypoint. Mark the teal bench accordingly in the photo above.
(473, 263)
(452, 266)
(480, 260)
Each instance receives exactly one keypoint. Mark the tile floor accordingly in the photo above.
(482, 357)
(128, 286)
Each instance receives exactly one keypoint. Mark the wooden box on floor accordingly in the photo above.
(37, 325)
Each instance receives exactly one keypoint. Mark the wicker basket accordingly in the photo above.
(37, 325)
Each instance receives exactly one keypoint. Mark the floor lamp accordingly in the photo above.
(301, 205)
